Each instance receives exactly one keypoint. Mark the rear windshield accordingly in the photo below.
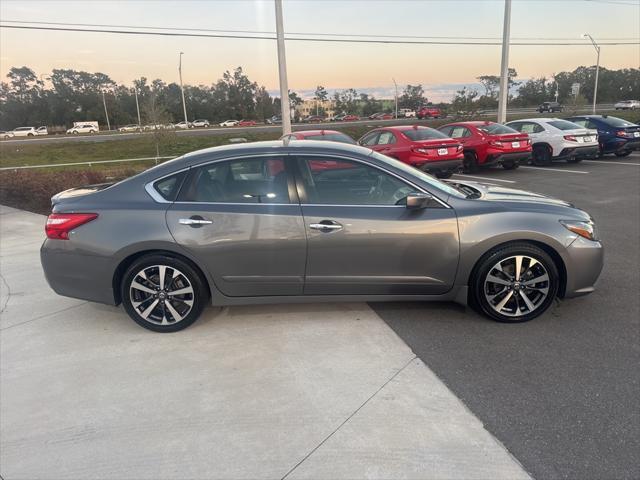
(618, 122)
(564, 125)
(423, 133)
(332, 137)
(496, 129)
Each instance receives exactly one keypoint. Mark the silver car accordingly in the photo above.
(278, 222)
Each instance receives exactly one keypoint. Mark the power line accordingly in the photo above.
(313, 34)
(302, 39)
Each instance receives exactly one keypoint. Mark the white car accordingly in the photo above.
(83, 128)
(230, 123)
(6, 135)
(557, 139)
(627, 105)
(29, 131)
(200, 123)
(183, 125)
(129, 128)
(406, 113)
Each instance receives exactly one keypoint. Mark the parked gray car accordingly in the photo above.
(279, 222)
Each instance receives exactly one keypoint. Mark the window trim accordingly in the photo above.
(302, 196)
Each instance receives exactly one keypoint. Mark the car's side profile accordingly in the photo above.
(615, 135)
(84, 128)
(557, 139)
(278, 222)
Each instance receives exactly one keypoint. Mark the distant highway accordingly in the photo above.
(109, 136)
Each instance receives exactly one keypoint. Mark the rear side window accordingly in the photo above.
(459, 132)
(250, 180)
(424, 133)
(563, 125)
(169, 187)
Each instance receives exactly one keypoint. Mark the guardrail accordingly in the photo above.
(50, 165)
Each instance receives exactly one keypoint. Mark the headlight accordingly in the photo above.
(584, 229)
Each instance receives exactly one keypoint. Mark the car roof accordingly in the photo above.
(537, 119)
(472, 123)
(402, 128)
(317, 132)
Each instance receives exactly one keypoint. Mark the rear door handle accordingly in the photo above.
(195, 221)
(326, 226)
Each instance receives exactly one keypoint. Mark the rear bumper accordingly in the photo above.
(578, 152)
(437, 166)
(517, 157)
(622, 145)
(87, 277)
(584, 263)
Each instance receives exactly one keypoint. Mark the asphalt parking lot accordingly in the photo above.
(561, 392)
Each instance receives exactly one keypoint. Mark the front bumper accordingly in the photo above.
(583, 263)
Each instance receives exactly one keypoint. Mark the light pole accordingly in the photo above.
(106, 114)
(504, 64)
(595, 88)
(184, 105)
(396, 85)
(135, 89)
(282, 70)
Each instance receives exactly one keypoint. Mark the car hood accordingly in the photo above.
(499, 193)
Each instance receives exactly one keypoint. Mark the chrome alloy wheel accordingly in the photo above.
(161, 294)
(516, 286)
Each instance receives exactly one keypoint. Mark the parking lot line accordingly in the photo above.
(612, 162)
(486, 178)
(556, 170)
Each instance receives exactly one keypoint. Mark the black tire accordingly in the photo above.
(478, 299)
(444, 173)
(199, 297)
(626, 153)
(470, 162)
(510, 165)
(29, 134)
(541, 155)
(600, 152)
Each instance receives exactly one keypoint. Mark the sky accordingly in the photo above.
(442, 69)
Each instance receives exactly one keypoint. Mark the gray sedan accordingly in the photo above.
(279, 222)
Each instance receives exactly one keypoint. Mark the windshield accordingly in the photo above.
(425, 177)
(423, 133)
(564, 125)
(496, 129)
(618, 122)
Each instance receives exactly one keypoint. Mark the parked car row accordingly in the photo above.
(472, 145)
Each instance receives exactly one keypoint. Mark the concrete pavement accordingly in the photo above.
(295, 391)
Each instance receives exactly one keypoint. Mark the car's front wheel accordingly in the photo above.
(514, 283)
(163, 294)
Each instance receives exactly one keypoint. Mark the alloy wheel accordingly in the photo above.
(161, 294)
(516, 286)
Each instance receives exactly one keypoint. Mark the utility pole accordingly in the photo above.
(556, 82)
(106, 114)
(595, 88)
(282, 70)
(396, 85)
(135, 89)
(504, 65)
(184, 105)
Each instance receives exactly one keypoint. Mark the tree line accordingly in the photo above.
(68, 96)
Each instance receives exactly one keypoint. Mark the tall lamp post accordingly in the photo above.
(504, 64)
(135, 89)
(106, 114)
(595, 88)
(282, 71)
(396, 85)
(184, 105)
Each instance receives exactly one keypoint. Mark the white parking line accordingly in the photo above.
(555, 170)
(485, 178)
(612, 162)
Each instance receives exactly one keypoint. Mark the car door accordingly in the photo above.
(361, 237)
(462, 134)
(241, 219)
(386, 143)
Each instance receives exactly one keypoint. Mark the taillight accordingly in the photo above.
(621, 133)
(570, 138)
(60, 224)
(421, 150)
(496, 143)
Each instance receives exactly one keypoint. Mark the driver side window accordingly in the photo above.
(344, 182)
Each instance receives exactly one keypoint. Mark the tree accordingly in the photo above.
(464, 101)
(320, 96)
(412, 97)
(534, 92)
(369, 104)
(346, 101)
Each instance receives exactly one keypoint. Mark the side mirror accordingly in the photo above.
(417, 201)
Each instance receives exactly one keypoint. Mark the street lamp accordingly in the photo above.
(106, 114)
(184, 105)
(396, 85)
(504, 64)
(595, 88)
(135, 89)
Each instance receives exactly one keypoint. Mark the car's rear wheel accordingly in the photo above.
(626, 153)
(515, 283)
(470, 162)
(510, 165)
(163, 294)
(541, 155)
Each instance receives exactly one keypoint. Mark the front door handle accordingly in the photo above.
(326, 226)
(195, 221)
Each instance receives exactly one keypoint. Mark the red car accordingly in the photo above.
(350, 118)
(246, 123)
(429, 112)
(489, 143)
(381, 116)
(422, 147)
(328, 135)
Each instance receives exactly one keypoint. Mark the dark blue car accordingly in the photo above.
(615, 135)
